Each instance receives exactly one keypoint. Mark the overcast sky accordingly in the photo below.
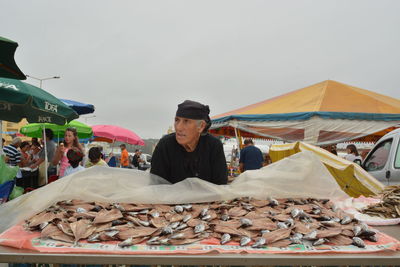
(136, 60)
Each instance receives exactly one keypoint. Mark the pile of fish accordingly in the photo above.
(389, 206)
(248, 221)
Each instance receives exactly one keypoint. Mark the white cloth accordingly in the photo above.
(352, 157)
(71, 170)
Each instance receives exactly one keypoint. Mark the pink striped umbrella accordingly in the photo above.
(116, 133)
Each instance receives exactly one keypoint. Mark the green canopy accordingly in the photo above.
(36, 129)
(20, 100)
(8, 67)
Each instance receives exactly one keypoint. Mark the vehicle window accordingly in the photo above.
(397, 158)
(377, 160)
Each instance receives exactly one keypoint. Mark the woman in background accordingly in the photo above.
(352, 154)
(60, 157)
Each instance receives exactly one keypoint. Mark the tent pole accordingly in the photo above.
(1, 141)
(45, 154)
(238, 139)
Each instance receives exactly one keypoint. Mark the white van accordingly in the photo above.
(383, 161)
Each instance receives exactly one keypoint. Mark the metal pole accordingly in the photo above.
(45, 155)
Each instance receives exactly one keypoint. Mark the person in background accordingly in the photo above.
(136, 159)
(267, 159)
(70, 141)
(124, 160)
(12, 152)
(191, 151)
(75, 157)
(51, 149)
(3, 141)
(25, 156)
(95, 158)
(251, 157)
(352, 154)
(110, 160)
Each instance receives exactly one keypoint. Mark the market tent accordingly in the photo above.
(79, 107)
(323, 113)
(8, 67)
(353, 179)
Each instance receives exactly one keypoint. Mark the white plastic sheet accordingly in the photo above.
(301, 175)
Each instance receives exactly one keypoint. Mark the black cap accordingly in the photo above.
(194, 110)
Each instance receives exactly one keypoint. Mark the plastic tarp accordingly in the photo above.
(302, 175)
(353, 179)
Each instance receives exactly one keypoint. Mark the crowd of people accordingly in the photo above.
(62, 159)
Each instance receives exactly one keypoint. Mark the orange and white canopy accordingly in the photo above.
(323, 113)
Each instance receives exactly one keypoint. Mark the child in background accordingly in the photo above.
(95, 158)
(75, 157)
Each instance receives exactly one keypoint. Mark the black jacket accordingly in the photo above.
(171, 161)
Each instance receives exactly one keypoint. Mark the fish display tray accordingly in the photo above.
(18, 237)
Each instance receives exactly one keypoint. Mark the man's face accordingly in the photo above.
(187, 131)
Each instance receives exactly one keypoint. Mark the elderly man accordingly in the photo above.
(190, 151)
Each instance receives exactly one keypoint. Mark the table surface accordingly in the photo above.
(12, 255)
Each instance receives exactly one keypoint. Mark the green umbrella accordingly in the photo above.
(20, 100)
(36, 129)
(8, 67)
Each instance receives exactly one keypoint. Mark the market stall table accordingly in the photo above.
(12, 255)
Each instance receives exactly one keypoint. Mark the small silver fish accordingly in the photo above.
(144, 223)
(335, 219)
(289, 222)
(319, 242)
(358, 242)
(43, 225)
(182, 226)
(94, 237)
(324, 218)
(206, 217)
(174, 225)
(282, 225)
(144, 211)
(125, 243)
(316, 211)
(295, 240)
(346, 220)
(204, 212)
(357, 230)
(265, 231)
(199, 228)
(295, 213)
(248, 207)
(367, 232)
(153, 241)
(363, 226)
(225, 238)
(334, 208)
(164, 241)
(311, 235)
(297, 235)
(273, 202)
(111, 233)
(245, 240)
(372, 238)
(118, 206)
(133, 213)
(225, 217)
(186, 218)
(187, 207)
(260, 242)
(178, 236)
(178, 209)
(81, 210)
(167, 230)
(246, 222)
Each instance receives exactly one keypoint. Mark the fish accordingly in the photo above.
(153, 241)
(245, 222)
(145, 211)
(225, 217)
(177, 236)
(311, 236)
(265, 231)
(181, 226)
(186, 218)
(319, 242)
(281, 225)
(273, 202)
(81, 210)
(174, 225)
(167, 230)
(126, 243)
(155, 214)
(260, 242)
(225, 238)
(204, 212)
(372, 238)
(187, 207)
(178, 209)
(346, 220)
(206, 217)
(357, 230)
(245, 240)
(94, 237)
(289, 222)
(199, 228)
(295, 213)
(358, 242)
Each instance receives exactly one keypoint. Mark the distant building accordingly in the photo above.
(10, 130)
